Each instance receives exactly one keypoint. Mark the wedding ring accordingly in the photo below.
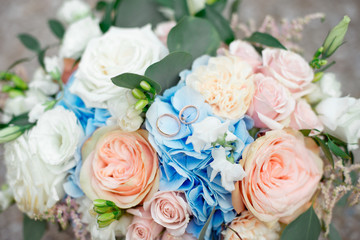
(164, 133)
(181, 117)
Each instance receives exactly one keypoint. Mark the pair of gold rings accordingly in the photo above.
(180, 119)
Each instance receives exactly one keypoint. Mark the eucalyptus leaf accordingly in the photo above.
(334, 234)
(306, 226)
(137, 13)
(166, 3)
(56, 28)
(325, 149)
(132, 80)
(234, 7)
(337, 150)
(205, 227)
(106, 21)
(101, 5)
(217, 5)
(264, 39)
(166, 71)
(32, 229)
(194, 35)
(181, 9)
(20, 120)
(29, 42)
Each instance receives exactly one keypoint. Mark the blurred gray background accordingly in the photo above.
(19, 16)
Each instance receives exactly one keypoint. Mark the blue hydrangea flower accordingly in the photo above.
(184, 169)
(90, 119)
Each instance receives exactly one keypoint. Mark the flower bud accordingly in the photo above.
(19, 83)
(10, 133)
(138, 94)
(139, 105)
(105, 224)
(335, 37)
(106, 217)
(6, 88)
(99, 203)
(13, 93)
(145, 85)
(318, 76)
(101, 210)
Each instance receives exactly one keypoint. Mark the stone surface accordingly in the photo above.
(17, 16)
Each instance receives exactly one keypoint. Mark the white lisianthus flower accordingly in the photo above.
(6, 197)
(44, 83)
(36, 189)
(208, 131)
(123, 113)
(118, 51)
(251, 228)
(73, 10)
(77, 37)
(230, 172)
(115, 229)
(195, 6)
(36, 112)
(327, 87)
(53, 66)
(55, 139)
(341, 117)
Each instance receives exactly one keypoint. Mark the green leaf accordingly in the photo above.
(137, 13)
(181, 9)
(106, 21)
(264, 39)
(20, 120)
(334, 234)
(203, 230)
(33, 230)
(56, 28)
(132, 80)
(29, 42)
(194, 35)
(41, 57)
(325, 149)
(235, 7)
(166, 71)
(166, 3)
(217, 5)
(306, 226)
(220, 23)
(101, 5)
(336, 150)
(305, 132)
(17, 62)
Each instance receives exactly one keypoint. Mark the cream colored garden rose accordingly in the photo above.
(226, 84)
(248, 227)
(118, 51)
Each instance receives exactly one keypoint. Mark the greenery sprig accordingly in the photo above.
(107, 212)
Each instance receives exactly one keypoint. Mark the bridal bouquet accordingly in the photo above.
(165, 120)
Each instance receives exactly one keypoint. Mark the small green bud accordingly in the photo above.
(105, 224)
(335, 37)
(106, 217)
(139, 105)
(318, 76)
(6, 88)
(13, 93)
(101, 210)
(5, 76)
(323, 62)
(19, 83)
(138, 94)
(10, 133)
(145, 85)
(99, 203)
(110, 203)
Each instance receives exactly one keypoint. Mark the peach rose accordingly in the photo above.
(272, 103)
(247, 52)
(226, 84)
(304, 117)
(248, 227)
(168, 236)
(119, 166)
(142, 226)
(290, 69)
(170, 209)
(283, 170)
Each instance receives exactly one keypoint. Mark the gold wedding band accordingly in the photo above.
(182, 111)
(171, 116)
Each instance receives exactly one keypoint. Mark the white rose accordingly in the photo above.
(251, 228)
(35, 188)
(55, 139)
(118, 51)
(22, 104)
(44, 83)
(73, 10)
(123, 112)
(327, 87)
(341, 117)
(77, 37)
(195, 5)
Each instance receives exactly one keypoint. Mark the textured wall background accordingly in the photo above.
(17, 16)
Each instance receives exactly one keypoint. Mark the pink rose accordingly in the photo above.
(162, 30)
(304, 117)
(170, 210)
(290, 69)
(246, 52)
(119, 166)
(283, 170)
(142, 226)
(168, 236)
(272, 103)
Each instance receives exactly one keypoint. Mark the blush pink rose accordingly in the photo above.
(142, 226)
(304, 117)
(168, 236)
(246, 52)
(162, 30)
(283, 170)
(119, 166)
(170, 209)
(272, 103)
(290, 69)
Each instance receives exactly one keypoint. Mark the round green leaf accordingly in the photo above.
(194, 35)
(132, 80)
(29, 42)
